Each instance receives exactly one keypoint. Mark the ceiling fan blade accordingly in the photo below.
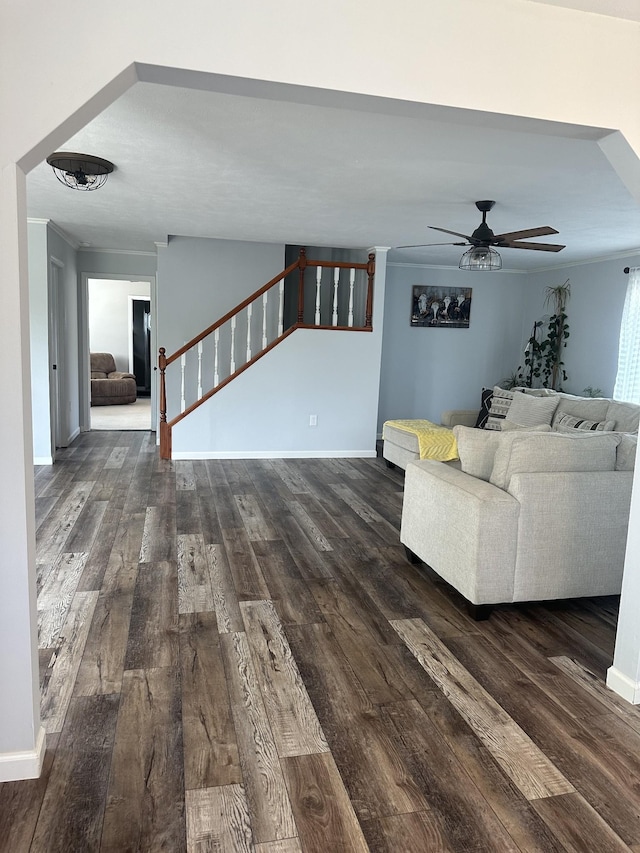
(544, 231)
(537, 247)
(446, 231)
(426, 245)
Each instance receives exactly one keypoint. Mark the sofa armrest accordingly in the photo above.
(119, 374)
(464, 528)
(459, 417)
(572, 533)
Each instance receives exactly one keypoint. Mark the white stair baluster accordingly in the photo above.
(216, 341)
(336, 280)
(199, 370)
(183, 364)
(352, 281)
(264, 319)
(249, 313)
(232, 367)
(281, 308)
(318, 285)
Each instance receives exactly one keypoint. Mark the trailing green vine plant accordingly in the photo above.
(543, 364)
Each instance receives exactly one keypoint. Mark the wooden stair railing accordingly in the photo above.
(338, 306)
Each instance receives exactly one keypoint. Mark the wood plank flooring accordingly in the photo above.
(236, 656)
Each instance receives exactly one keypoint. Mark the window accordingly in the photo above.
(627, 385)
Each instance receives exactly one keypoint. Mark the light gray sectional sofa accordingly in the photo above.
(531, 512)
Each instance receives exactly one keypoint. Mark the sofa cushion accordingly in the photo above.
(567, 423)
(625, 415)
(476, 450)
(529, 411)
(626, 452)
(477, 447)
(591, 408)
(529, 452)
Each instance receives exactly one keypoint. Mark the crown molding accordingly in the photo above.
(75, 245)
(616, 256)
(450, 268)
(117, 251)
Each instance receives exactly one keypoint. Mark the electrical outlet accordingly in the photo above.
(313, 420)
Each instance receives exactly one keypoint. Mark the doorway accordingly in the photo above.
(111, 305)
(140, 349)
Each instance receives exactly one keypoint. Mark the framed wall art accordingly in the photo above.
(440, 307)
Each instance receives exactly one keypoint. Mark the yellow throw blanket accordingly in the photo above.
(435, 442)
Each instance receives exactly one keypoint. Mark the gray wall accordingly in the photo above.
(594, 313)
(428, 370)
(117, 263)
(59, 248)
(333, 375)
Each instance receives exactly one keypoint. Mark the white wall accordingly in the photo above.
(425, 370)
(546, 62)
(110, 318)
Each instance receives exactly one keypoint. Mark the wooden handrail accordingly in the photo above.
(171, 358)
(300, 264)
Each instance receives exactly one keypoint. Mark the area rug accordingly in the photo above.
(129, 416)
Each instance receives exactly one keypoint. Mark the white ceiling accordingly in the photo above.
(199, 163)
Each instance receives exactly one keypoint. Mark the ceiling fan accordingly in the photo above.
(483, 239)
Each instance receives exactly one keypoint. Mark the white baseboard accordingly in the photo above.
(623, 685)
(15, 766)
(43, 460)
(273, 454)
(73, 436)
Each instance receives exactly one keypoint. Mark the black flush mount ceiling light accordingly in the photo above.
(80, 171)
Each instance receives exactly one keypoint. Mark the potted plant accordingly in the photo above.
(543, 364)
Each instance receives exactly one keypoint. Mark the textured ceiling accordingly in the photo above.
(199, 163)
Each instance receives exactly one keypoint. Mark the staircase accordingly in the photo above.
(329, 295)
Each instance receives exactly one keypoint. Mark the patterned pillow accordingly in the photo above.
(485, 405)
(501, 400)
(567, 423)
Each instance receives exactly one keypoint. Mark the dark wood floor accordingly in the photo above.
(236, 656)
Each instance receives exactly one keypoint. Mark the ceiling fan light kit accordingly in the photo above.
(82, 172)
(482, 256)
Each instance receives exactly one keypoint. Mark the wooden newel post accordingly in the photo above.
(371, 271)
(302, 265)
(165, 429)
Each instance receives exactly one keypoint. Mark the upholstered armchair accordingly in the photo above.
(108, 385)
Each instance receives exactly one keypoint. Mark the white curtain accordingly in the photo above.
(627, 385)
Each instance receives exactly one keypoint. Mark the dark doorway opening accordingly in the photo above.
(141, 332)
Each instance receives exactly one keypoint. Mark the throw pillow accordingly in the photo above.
(625, 415)
(476, 450)
(526, 452)
(567, 423)
(508, 425)
(501, 400)
(529, 411)
(485, 406)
